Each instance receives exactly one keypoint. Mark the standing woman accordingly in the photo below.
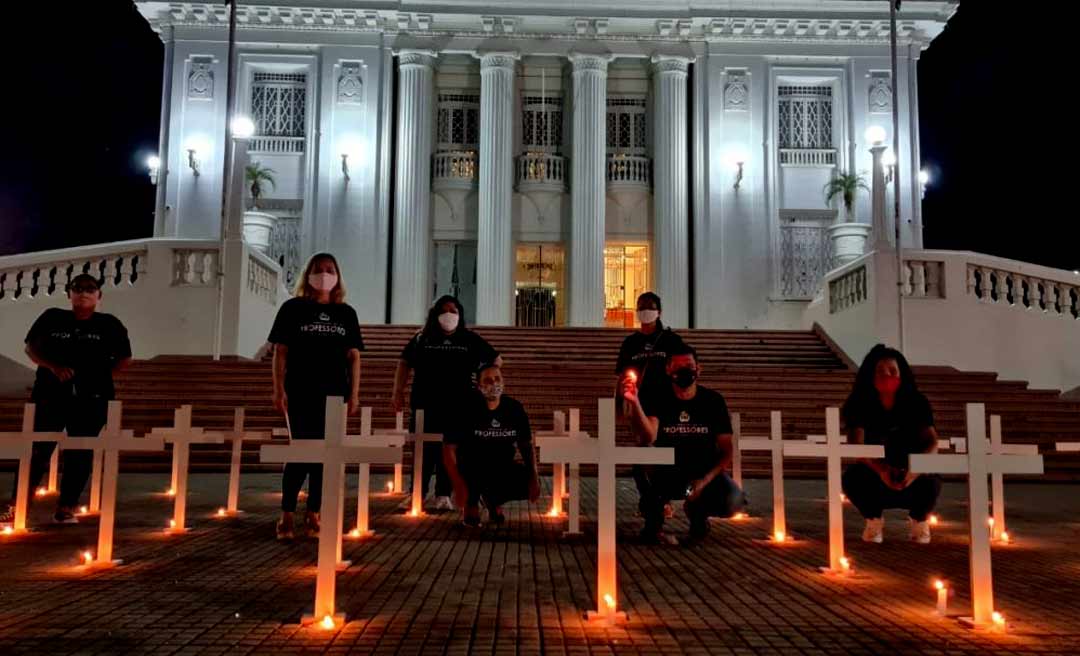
(886, 408)
(317, 344)
(444, 357)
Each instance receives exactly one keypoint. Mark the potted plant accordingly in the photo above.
(258, 226)
(848, 236)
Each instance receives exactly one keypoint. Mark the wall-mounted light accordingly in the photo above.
(153, 165)
(242, 127)
(736, 158)
(875, 134)
(193, 161)
(888, 163)
(197, 147)
(738, 175)
(351, 147)
(345, 167)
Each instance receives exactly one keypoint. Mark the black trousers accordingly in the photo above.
(433, 455)
(871, 496)
(662, 484)
(307, 417)
(81, 417)
(495, 483)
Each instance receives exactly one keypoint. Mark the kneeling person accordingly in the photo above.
(694, 421)
(479, 452)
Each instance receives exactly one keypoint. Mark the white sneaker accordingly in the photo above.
(874, 531)
(443, 503)
(920, 531)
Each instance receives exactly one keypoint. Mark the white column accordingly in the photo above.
(495, 245)
(412, 203)
(588, 190)
(671, 250)
(882, 237)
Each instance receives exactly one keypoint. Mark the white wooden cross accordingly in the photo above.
(237, 436)
(1067, 447)
(977, 463)
(560, 484)
(366, 438)
(606, 455)
(997, 478)
(834, 451)
(399, 428)
(182, 435)
(52, 486)
(774, 444)
(419, 439)
(332, 453)
(20, 446)
(112, 441)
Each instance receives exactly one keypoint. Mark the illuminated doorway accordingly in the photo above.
(626, 276)
(539, 276)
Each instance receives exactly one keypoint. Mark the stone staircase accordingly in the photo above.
(796, 372)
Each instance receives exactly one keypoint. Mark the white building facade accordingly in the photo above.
(548, 162)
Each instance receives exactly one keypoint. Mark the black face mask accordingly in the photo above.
(684, 377)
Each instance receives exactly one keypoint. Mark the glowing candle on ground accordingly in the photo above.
(41, 492)
(8, 530)
(1004, 536)
(327, 622)
(942, 597)
(220, 512)
(779, 536)
(843, 498)
(610, 601)
(845, 564)
(355, 533)
(389, 487)
(999, 621)
(87, 557)
(739, 515)
(172, 523)
(83, 510)
(553, 513)
(171, 492)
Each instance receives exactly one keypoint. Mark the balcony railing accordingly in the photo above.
(541, 171)
(456, 169)
(629, 171)
(808, 157)
(277, 145)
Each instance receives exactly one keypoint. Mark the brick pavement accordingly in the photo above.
(430, 587)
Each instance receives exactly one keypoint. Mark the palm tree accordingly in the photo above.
(845, 185)
(257, 174)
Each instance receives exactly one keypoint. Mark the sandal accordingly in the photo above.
(285, 527)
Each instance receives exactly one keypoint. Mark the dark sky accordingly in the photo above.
(990, 93)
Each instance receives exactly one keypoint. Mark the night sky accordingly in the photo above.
(84, 108)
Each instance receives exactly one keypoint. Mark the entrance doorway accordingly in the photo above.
(539, 275)
(626, 276)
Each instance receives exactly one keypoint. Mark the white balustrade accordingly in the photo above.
(25, 277)
(194, 267)
(1007, 286)
(629, 170)
(848, 290)
(922, 279)
(808, 157)
(455, 169)
(541, 170)
(262, 277)
(276, 145)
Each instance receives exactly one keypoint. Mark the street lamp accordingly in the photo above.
(242, 127)
(875, 134)
(153, 165)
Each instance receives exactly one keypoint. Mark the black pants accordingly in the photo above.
(81, 417)
(871, 496)
(433, 456)
(307, 417)
(495, 483)
(661, 484)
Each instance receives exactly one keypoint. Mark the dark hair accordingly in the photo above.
(484, 366)
(431, 326)
(864, 394)
(682, 348)
(83, 277)
(650, 296)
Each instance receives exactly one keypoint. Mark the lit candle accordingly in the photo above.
(933, 520)
(942, 597)
(7, 530)
(172, 523)
(389, 487)
(87, 557)
(414, 512)
(170, 492)
(845, 564)
(83, 510)
(779, 536)
(610, 601)
(739, 515)
(999, 621)
(1004, 536)
(220, 512)
(843, 498)
(41, 492)
(355, 533)
(327, 622)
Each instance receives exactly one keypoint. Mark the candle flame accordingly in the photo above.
(390, 486)
(7, 530)
(327, 622)
(933, 520)
(172, 523)
(87, 557)
(83, 510)
(553, 513)
(220, 512)
(739, 515)
(998, 618)
(355, 533)
(990, 522)
(1004, 536)
(843, 498)
(171, 492)
(845, 564)
(414, 512)
(610, 601)
(41, 492)
(779, 536)
(939, 585)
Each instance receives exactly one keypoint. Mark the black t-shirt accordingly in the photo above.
(898, 430)
(319, 337)
(648, 355)
(443, 368)
(487, 437)
(690, 427)
(91, 347)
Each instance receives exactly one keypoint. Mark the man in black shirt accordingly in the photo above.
(480, 451)
(77, 352)
(694, 421)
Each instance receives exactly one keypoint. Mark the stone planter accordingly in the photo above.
(848, 242)
(257, 229)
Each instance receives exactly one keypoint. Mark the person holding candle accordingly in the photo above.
(885, 407)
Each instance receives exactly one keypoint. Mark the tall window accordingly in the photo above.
(806, 117)
(626, 129)
(278, 104)
(458, 121)
(541, 124)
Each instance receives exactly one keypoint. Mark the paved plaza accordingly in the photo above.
(430, 586)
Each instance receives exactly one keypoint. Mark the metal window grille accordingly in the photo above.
(627, 132)
(542, 124)
(278, 104)
(806, 117)
(458, 122)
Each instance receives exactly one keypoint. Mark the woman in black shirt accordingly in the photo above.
(443, 357)
(317, 345)
(886, 408)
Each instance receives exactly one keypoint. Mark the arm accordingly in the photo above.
(461, 491)
(354, 380)
(929, 438)
(121, 365)
(723, 446)
(401, 376)
(644, 427)
(280, 354)
(33, 350)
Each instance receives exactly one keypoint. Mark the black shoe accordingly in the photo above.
(497, 517)
(471, 521)
(64, 516)
(692, 539)
(654, 536)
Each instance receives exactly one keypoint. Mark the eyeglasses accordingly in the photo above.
(83, 289)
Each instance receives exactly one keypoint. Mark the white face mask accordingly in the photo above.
(648, 316)
(448, 321)
(323, 282)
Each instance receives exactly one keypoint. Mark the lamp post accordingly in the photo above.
(875, 135)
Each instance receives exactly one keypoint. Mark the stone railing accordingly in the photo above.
(262, 277)
(629, 171)
(25, 277)
(276, 145)
(194, 267)
(848, 289)
(810, 157)
(922, 278)
(999, 283)
(455, 169)
(541, 171)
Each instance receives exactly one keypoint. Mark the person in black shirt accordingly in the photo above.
(317, 345)
(479, 451)
(77, 352)
(885, 407)
(643, 358)
(694, 421)
(443, 356)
